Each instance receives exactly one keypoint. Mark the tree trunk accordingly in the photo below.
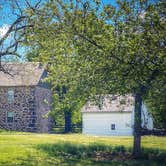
(137, 126)
(67, 121)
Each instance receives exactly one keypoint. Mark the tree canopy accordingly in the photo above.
(94, 49)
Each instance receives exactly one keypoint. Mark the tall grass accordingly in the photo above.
(91, 151)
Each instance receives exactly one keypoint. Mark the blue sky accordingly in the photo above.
(6, 15)
(6, 11)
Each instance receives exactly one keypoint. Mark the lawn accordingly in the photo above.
(28, 149)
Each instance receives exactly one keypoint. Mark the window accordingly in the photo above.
(112, 126)
(10, 96)
(10, 117)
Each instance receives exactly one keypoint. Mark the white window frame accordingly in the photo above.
(7, 116)
(10, 95)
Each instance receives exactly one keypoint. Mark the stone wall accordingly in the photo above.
(43, 107)
(27, 108)
(23, 108)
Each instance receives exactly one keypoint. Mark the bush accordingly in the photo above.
(119, 149)
(153, 154)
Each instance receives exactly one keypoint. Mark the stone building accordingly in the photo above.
(25, 99)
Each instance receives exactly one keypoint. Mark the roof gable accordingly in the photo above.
(112, 103)
(21, 74)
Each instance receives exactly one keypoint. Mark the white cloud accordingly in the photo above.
(3, 29)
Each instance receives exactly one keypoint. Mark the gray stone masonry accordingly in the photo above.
(29, 107)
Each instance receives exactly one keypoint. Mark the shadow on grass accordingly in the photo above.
(98, 154)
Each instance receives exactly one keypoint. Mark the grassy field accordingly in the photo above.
(28, 149)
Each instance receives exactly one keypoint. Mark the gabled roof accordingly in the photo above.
(112, 103)
(21, 74)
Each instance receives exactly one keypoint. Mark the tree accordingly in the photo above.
(157, 106)
(94, 49)
(64, 107)
(13, 34)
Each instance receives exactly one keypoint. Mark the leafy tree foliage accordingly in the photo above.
(95, 49)
(157, 106)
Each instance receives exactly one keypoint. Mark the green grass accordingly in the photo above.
(28, 149)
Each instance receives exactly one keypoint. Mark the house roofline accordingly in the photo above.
(17, 86)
